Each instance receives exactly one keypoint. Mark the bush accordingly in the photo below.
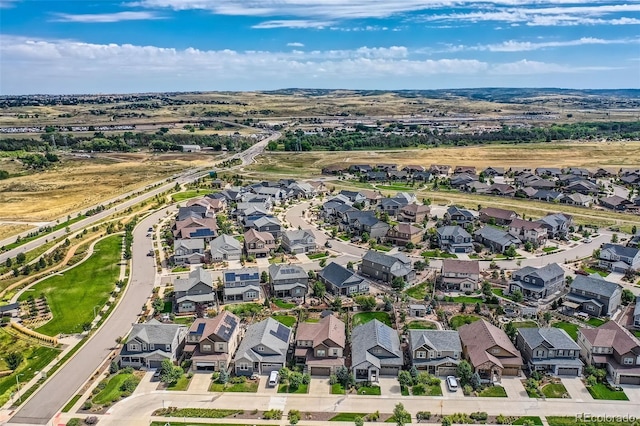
(423, 415)
(333, 379)
(467, 390)
(479, 415)
(373, 417)
(91, 420)
(238, 380)
(306, 379)
(127, 370)
(74, 422)
(113, 367)
(272, 415)
(129, 385)
(88, 405)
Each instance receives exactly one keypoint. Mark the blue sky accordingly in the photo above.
(89, 46)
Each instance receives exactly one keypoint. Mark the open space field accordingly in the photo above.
(7, 230)
(73, 295)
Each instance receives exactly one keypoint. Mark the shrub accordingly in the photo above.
(91, 420)
(87, 405)
(423, 415)
(129, 385)
(501, 419)
(373, 417)
(272, 415)
(306, 379)
(333, 379)
(215, 376)
(479, 415)
(127, 370)
(238, 380)
(74, 422)
(113, 367)
(467, 389)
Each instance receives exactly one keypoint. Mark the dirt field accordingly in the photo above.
(561, 154)
(80, 183)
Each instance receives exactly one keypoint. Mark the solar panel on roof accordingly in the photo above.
(281, 333)
(229, 276)
(200, 329)
(384, 336)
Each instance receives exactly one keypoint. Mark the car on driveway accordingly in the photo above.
(452, 384)
(150, 253)
(156, 375)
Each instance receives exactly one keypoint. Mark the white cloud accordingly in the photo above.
(5, 4)
(106, 17)
(526, 46)
(292, 23)
(295, 44)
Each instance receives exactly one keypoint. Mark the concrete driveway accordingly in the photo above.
(446, 393)
(200, 382)
(147, 385)
(319, 386)
(633, 392)
(263, 386)
(514, 387)
(577, 390)
(389, 386)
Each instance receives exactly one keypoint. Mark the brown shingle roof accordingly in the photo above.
(479, 336)
(212, 325)
(525, 224)
(461, 266)
(498, 213)
(328, 328)
(611, 335)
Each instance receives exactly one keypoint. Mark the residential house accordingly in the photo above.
(288, 280)
(583, 187)
(548, 171)
(577, 200)
(412, 168)
(557, 224)
(263, 349)
(549, 350)
(259, 244)
(548, 195)
(465, 169)
(461, 179)
(152, 342)
(398, 175)
(440, 169)
(386, 167)
(490, 351)
(377, 176)
(241, 285)
(454, 239)
(392, 206)
(537, 283)
(301, 190)
(460, 275)
(614, 348)
(211, 342)
(385, 268)
(215, 205)
(528, 231)
(375, 351)
(578, 171)
(476, 187)
(405, 233)
(188, 251)
(360, 168)
(197, 289)
(459, 215)
(618, 258)
(341, 281)
(225, 248)
(299, 241)
(267, 224)
(541, 184)
(437, 351)
(495, 239)
(414, 213)
(501, 189)
(320, 345)
(594, 295)
(371, 225)
(497, 216)
(526, 192)
(354, 196)
(493, 171)
(194, 225)
(423, 176)
(636, 313)
(615, 202)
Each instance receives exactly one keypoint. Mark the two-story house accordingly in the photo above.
(241, 285)
(195, 290)
(375, 351)
(225, 248)
(189, 251)
(299, 241)
(618, 258)
(594, 295)
(636, 314)
(437, 351)
(490, 351)
(454, 239)
(391, 206)
(612, 347)
(537, 283)
(259, 244)
(526, 230)
(341, 281)
(460, 275)
(268, 224)
(557, 224)
(320, 345)
(263, 348)
(497, 240)
(152, 342)
(414, 213)
(497, 216)
(549, 350)
(385, 268)
(371, 225)
(211, 342)
(288, 280)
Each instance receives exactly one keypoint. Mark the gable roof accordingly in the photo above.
(611, 335)
(498, 213)
(196, 276)
(252, 234)
(222, 326)
(371, 334)
(497, 236)
(387, 260)
(298, 234)
(328, 328)
(461, 266)
(554, 337)
(594, 284)
(156, 332)
(620, 250)
(453, 210)
(525, 224)
(339, 276)
(244, 274)
(439, 340)
(268, 333)
(282, 271)
(545, 272)
(266, 220)
(479, 336)
(225, 242)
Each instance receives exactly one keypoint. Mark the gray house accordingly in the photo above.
(459, 215)
(437, 351)
(496, 239)
(263, 348)
(557, 224)
(636, 313)
(288, 280)
(549, 350)
(375, 351)
(454, 239)
(342, 281)
(188, 251)
(152, 342)
(268, 224)
(537, 283)
(241, 285)
(385, 268)
(299, 241)
(594, 295)
(371, 225)
(225, 248)
(618, 258)
(196, 290)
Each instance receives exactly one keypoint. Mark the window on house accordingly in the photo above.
(560, 352)
(495, 350)
(421, 354)
(220, 347)
(334, 352)
(628, 361)
(206, 347)
(244, 367)
(133, 347)
(321, 353)
(152, 347)
(260, 348)
(144, 347)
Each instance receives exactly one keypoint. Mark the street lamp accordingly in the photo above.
(18, 386)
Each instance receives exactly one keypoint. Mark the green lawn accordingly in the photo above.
(427, 390)
(185, 320)
(185, 195)
(537, 421)
(249, 386)
(181, 385)
(421, 325)
(71, 403)
(365, 317)
(319, 255)
(167, 308)
(209, 413)
(525, 324)
(380, 247)
(549, 249)
(498, 291)
(244, 309)
(636, 333)
(571, 421)
(460, 320)
(437, 253)
(598, 271)
(468, 299)
(287, 320)
(347, 417)
(554, 390)
(570, 328)
(112, 392)
(88, 285)
(418, 291)
(596, 322)
(337, 389)
(601, 391)
(181, 269)
(369, 390)
(284, 388)
(283, 305)
(493, 392)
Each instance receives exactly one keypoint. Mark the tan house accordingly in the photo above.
(259, 244)
(320, 345)
(460, 275)
(211, 342)
(490, 351)
(404, 233)
(414, 213)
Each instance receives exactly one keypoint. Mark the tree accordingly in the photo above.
(169, 373)
(414, 372)
(405, 379)
(367, 303)
(511, 252)
(8, 262)
(13, 360)
(345, 378)
(337, 303)
(464, 372)
(486, 288)
(350, 265)
(223, 377)
(627, 296)
(398, 283)
(319, 289)
(400, 415)
(264, 277)
(463, 307)
(528, 246)
(634, 230)
(614, 238)
(510, 330)
(547, 316)
(157, 305)
(272, 146)
(477, 308)
(323, 262)
(113, 367)
(20, 258)
(475, 381)
(446, 421)
(295, 380)
(517, 296)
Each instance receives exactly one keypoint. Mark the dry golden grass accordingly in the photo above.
(7, 230)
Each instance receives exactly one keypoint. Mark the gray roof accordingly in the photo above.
(339, 276)
(269, 333)
(283, 271)
(386, 259)
(225, 242)
(554, 337)
(545, 273)
(298, 234)
(439, 340)
(191, 244)
(497, 235)
(234, 291)
(266, 220)
(371, 334)
(195, 276)
(156, 332)
(620, 250)
(595, 284)
(453, 231)
(369, 220)
(555, 219)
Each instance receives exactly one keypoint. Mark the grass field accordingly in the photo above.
(537, 421)
(287, 320)
(554, 390)
(181, 385)
(365, 317)
(347, 417)
(88, 285)
(284, 388)
(249, 386)
(571, 329)
(421, 325)
(525, 324)
(283, 305)
(369, 390)
(457, 321)
(35, 359)
(428, 254)
(186, 195)
(7, 230)
(493, 392)
(418, 291)
(112, 392)
(601, 391)
(337, 389)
